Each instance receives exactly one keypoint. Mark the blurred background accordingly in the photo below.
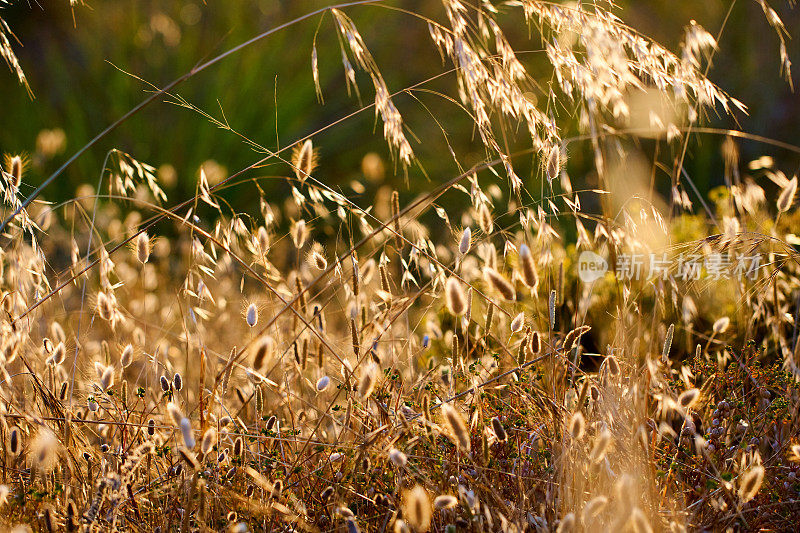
(74, 60)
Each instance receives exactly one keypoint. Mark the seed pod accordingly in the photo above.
(238, 447)
(551, 307)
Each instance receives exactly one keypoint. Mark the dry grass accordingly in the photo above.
(313, 366)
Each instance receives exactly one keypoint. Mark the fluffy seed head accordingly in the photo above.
(417, 508)
(499, 283)
(304, 160)
(527, 267)
(397, 457)
(466, 239)
(175, 413)
(59, 354)
(16, 171)
(186, 433)
(323, 383)
(553, 162)
(126, 357)
(454, 296)
(177, 381)
(517, 323)
(299, 233)
(456, 427)
(318, 260)
(485, 219)
(252, 315)
(688, 397)
(577, 425)
(786, 198)
(15, 441)
(721, 325)
(209, 440)
(567, 524)
(107, 379)
(601, 444)
(572, 338)
(499, 430)
(142, 248)
(44, 449)
(751, 483)
(445, 501)
(535, 343)
(366, 384)
(593, 508)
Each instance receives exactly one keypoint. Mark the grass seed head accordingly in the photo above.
(454, 295)
(417, 508)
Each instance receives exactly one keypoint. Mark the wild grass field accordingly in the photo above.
(516, 312)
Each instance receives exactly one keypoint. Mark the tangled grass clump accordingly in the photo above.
(318, 364)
